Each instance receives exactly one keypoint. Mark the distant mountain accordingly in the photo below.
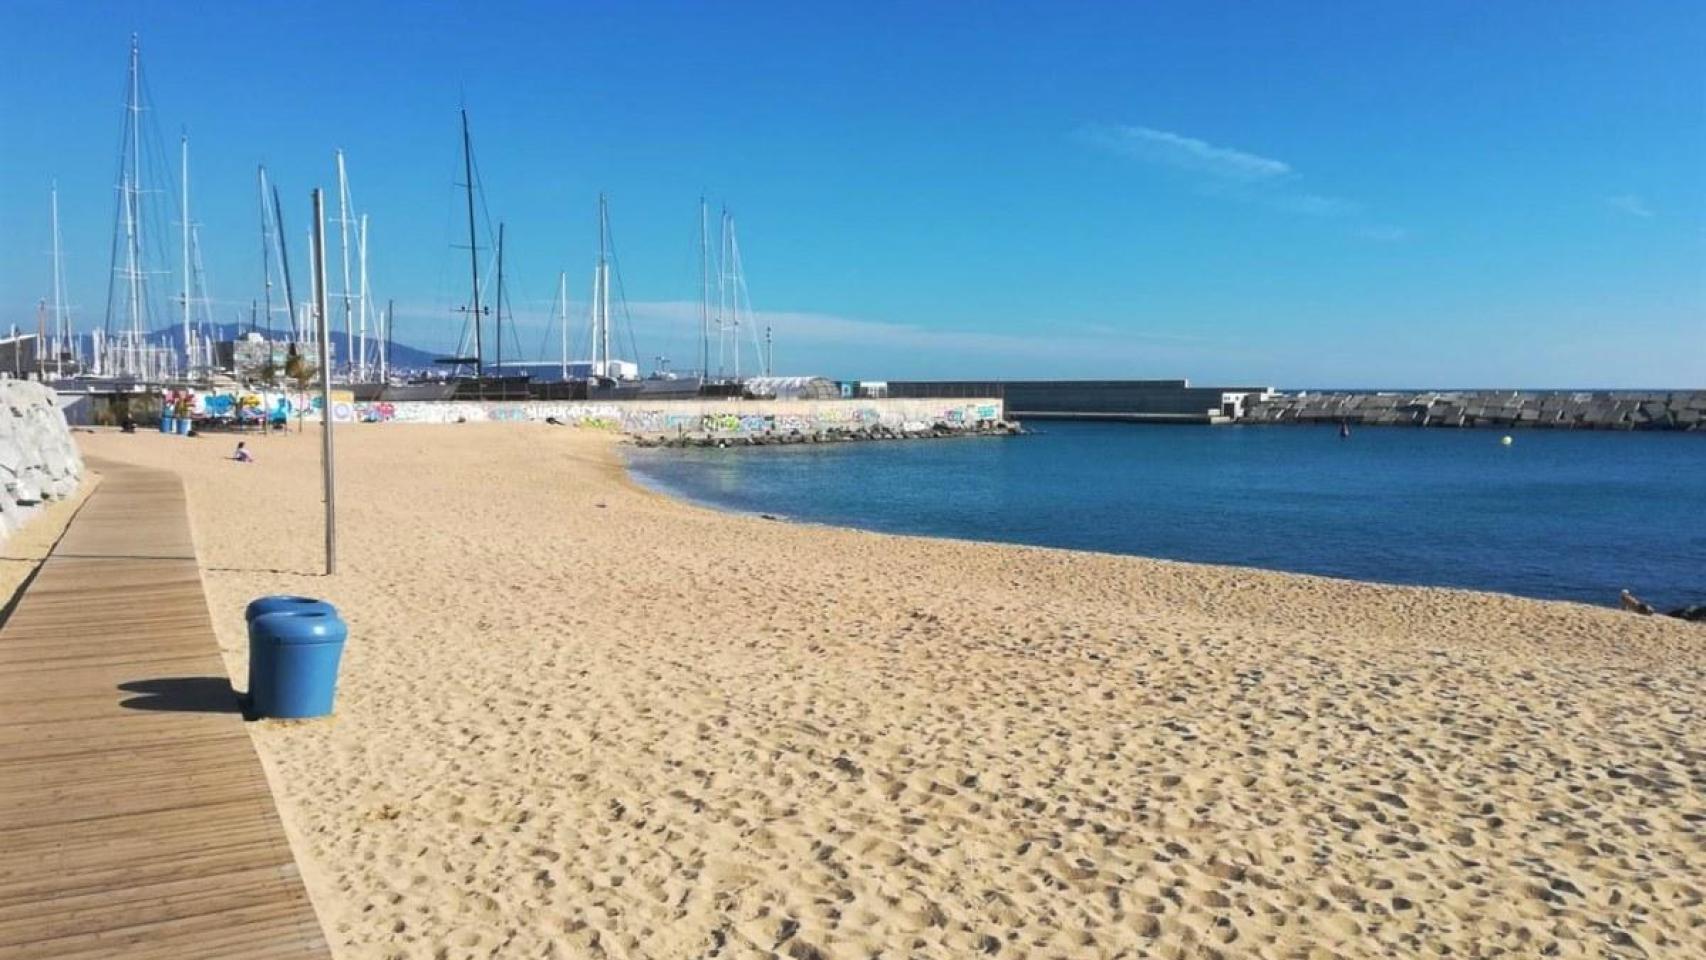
(401, 355)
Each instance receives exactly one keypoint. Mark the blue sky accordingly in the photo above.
(1304, 194)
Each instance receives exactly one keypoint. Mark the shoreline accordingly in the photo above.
(580, 715)
(625, 452)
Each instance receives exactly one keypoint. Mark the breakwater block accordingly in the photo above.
(1551, 410)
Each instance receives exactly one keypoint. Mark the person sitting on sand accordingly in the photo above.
(242, 454)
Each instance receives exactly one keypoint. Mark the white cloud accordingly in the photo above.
(1186, 153)
(832, 329)
(674, 326)
(1631, 205)
(1228, 172)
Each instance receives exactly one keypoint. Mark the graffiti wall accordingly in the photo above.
(247, 406)
(721, 417)
(732, 418)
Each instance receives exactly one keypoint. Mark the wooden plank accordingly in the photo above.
(51, 851)
(133, 822)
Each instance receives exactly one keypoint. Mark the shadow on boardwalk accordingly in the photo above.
(183, 695)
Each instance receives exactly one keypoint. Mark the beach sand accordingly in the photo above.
(580, 719)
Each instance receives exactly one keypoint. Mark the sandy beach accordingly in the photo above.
(581, 719)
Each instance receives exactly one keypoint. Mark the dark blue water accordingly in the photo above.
(1573, 516)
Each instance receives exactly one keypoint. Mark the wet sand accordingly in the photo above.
(580, 719)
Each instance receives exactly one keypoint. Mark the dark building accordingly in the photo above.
(19, 356)
(1140, 400)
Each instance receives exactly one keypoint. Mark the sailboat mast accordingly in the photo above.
(61, 329)
(603, 287)
(563, 316)
(296, 332)
(41, 338)
(184, 215)
(704, 292)
(592, 335)
(722, 284)
(499, 309)
(266, 247)
(133, 213)
(385, 342)
(343, 246)
(361, 311)
(473, 248)
(198, 273)
(733, 264)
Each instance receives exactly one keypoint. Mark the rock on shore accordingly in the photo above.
(38, 460)
(918, 431)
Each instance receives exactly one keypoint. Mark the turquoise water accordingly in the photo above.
(1560, 515)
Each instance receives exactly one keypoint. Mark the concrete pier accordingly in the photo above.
(1555, 410)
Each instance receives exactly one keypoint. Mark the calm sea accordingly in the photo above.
(1573, 516)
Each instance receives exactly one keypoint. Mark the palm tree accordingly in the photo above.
(299, 369)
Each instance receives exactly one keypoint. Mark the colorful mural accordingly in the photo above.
(719, 418)
(748, 418)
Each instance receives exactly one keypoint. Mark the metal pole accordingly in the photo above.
(343, 246)
(603, 289)
(133, 346)
(284, 262)
(704, 294)
(41, 338)
(361, 310)
(325, 339)
(60, 335)
(473, 246)
(499, 309)
(266, 251)
(184, 214)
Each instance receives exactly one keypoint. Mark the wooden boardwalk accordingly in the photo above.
(135, 819)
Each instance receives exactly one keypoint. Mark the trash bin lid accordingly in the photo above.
(286, 627)
(285, 603)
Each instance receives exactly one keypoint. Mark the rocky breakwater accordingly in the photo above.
(1555, 410)
(38, 459)
(919, 431)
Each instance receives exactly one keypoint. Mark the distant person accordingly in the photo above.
(127, 425)
(242, 454)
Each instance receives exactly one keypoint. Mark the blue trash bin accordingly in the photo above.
(185, 424)
(293, 661)
(276, 603)
(168, 424)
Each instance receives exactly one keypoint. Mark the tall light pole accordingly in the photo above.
(325, 345)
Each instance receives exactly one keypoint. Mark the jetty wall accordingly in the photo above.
(704, 417)
(1138, 401)
(1554, 410)
(38, 459)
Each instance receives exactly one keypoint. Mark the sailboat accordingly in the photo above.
(128, 356)
(482, 385)
(64, 359)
